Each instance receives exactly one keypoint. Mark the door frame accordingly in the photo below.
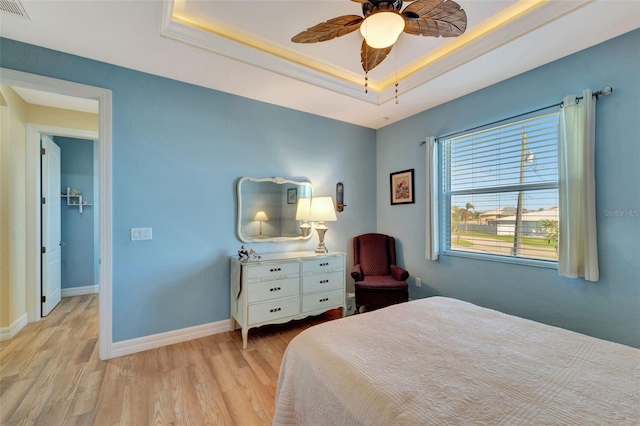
(32, 170)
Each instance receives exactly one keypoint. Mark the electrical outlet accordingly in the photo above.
(418, 282)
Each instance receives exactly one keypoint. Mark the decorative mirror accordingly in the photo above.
(267, 209)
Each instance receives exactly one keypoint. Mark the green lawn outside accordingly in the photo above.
(531, 241)
(462, 243)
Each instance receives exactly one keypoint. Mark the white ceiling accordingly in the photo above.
(242, 47)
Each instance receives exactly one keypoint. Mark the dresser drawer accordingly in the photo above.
(273, 310)
(317, 301)
(273, 271)
(265, 290)
(320, 282)
(322, 265)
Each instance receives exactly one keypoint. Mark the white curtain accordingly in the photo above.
(431, 241)
(578, 251)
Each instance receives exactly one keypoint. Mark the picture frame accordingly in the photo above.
(402, 187)
(292, 195)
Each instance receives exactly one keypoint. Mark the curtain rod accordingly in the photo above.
(604, 92)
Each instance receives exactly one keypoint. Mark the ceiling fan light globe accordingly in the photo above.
(382, 29)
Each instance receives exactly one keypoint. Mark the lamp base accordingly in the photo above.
(321, 249)
(305, 228)
(322, 229)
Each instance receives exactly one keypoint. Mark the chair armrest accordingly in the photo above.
(398, 273)
(356, 273)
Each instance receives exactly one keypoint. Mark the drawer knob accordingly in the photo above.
(324, 264)
(275, 289)
(324, 299)
(324, 281)
(275, 269)
(276, 309)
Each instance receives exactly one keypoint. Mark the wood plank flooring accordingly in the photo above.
(50, 374)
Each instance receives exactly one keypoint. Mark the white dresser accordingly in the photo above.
(280, 287)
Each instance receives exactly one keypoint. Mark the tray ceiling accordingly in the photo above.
(243, 47)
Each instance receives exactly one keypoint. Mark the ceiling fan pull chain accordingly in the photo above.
(397, 48)
(366, 82)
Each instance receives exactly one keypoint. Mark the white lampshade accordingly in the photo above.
(382, 29)
(302, 211)
(261, 216)
(322, 210)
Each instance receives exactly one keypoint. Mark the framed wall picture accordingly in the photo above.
(402, 187)
(292, 195)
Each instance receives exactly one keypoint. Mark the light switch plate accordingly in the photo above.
(138, 234)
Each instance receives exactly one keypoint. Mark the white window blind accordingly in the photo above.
(500, 190)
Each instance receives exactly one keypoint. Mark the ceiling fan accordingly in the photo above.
(383, 22)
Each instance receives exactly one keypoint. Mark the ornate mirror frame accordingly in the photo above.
(277, 198)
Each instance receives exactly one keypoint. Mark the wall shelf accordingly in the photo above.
(75, 200)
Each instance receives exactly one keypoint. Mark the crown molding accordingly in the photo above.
(518, 20)
(481, 44)
(185, 32)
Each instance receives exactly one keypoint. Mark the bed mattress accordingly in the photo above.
(441, 361)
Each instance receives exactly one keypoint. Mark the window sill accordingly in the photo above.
(503, 259)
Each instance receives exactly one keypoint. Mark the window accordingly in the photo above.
(499, 191)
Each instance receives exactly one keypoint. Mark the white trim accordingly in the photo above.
(103, 96)
(105, 337)
(504, 259)
(33, 214)
(80, 291)
(346, 82)
(153, 341)
(224, 46)
(518, 27)
(7, 333)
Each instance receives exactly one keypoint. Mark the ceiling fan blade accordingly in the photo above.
(410, 16)
(371, 57)
(330, 29)
(437, 18)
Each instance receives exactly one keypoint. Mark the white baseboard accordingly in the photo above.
(145, 343)
(79, 291)
(7, 333)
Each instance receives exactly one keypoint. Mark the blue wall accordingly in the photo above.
(178, 151)
(78, 230)
(609, 308)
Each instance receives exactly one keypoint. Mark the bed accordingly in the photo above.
(441, 361)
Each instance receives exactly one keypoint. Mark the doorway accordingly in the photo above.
(70, 214)
(33, 237)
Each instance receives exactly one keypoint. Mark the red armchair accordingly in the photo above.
(379, 281)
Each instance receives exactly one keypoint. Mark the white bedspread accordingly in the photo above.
(440, 361)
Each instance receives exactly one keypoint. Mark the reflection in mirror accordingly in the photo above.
(267, 209)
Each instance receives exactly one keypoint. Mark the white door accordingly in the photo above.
(51, 233)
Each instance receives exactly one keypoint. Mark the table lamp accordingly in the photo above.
(261, 216)
(302, 214)
(322, 210)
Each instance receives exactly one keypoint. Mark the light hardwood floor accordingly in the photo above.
(50, 374)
